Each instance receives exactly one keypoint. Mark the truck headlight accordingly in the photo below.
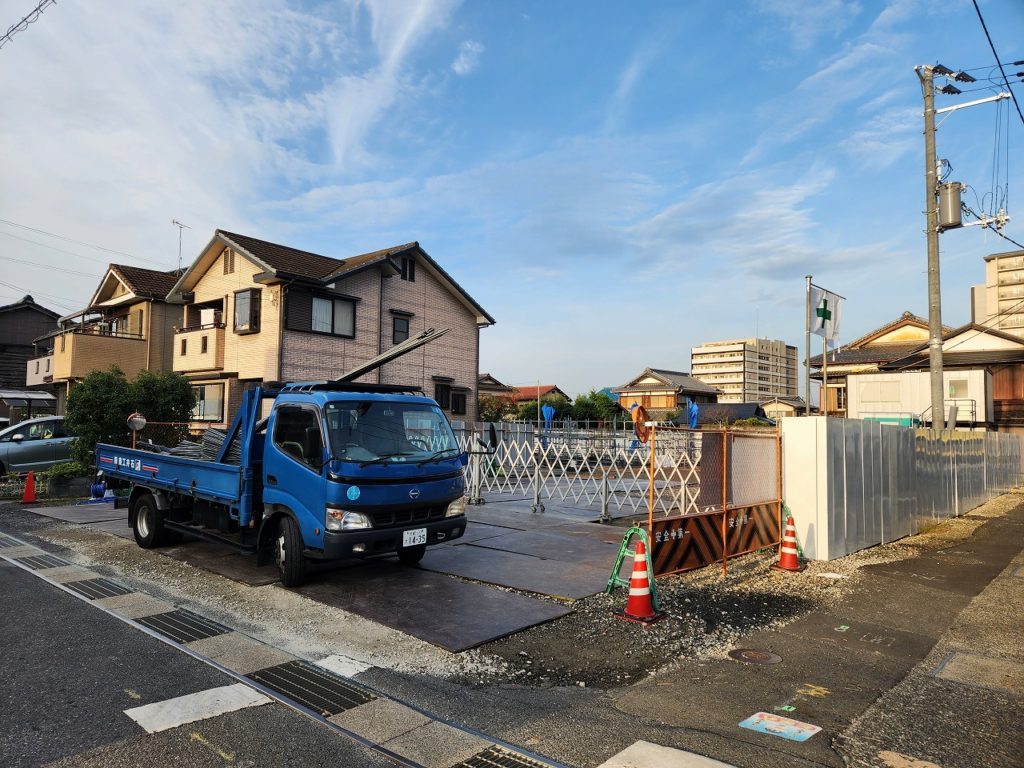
(456, 508)
(346, 520)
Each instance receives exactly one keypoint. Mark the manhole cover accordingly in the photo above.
(754, 656)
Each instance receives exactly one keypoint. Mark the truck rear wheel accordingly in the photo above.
(148, 523)
(411, 555)
(291, 565)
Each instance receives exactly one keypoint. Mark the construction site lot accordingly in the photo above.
(524, 591)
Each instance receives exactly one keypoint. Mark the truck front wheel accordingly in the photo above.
(288, 553)
(148, 523)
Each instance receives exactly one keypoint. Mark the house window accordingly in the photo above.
(443, 395)
(209, 402)
(334, 316)
(409, 269)
(399, 329)
(229, 261)
(184, 347)
(247, 311)
(37, 366)
(204, 344)
(459, 402)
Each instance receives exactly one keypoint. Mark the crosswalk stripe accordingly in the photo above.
(164, 715)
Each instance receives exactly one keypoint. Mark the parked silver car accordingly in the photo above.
(34, 444)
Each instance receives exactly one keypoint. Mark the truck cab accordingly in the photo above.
(358, 470)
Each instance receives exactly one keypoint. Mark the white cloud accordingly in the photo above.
(468, 58)
(807, 22)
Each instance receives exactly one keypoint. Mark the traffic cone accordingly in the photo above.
(29, 497)
(639, 606)
(788, 555)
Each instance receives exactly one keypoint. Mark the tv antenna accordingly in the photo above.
(180, 226)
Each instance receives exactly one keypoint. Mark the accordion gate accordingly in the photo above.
(709, 495)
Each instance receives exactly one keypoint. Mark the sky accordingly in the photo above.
(613, 182)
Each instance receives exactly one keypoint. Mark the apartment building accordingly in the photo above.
(747, 370)
(999, 302)
(128, 323)
(257, 311)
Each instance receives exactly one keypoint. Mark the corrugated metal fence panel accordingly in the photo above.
(886, 482)
(835, 447)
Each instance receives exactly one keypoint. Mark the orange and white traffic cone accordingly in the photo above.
(29, 497)
(789, 559)
(639, 606)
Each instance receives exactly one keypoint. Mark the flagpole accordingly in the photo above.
(807, 346)
(824, 376)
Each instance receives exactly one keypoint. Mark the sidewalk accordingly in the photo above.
(922, 662)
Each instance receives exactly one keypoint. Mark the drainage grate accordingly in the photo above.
(39, 562)
(313, 687)
(97, 588)
(183, 626)
(497, 757)
(7, 541)
(754, 656)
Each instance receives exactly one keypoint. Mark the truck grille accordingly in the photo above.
(393, 518)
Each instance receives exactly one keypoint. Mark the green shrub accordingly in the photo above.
(67, 471)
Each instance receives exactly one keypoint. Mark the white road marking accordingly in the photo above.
(644, 754)
(164, 715)
(343, 665)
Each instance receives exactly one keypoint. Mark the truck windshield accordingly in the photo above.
(385, 432)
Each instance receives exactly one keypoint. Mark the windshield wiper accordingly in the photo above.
(382, 458)
(435, 456)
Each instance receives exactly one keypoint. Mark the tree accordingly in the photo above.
(597, 406)
(98, 408)
(495, 408)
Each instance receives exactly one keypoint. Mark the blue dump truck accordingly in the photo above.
(338, 470)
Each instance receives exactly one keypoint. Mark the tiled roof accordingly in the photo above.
(531, 393)
(676, 379)
(881, 353)
(920, 359)
(282, 258)
(27, 302)
(147, 283)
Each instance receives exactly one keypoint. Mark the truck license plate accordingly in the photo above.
(414, 537)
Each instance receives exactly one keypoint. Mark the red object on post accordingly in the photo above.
(29, 497)
(639, 606)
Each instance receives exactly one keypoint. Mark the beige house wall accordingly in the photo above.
(77, 354)
(158, 320)
(254, 355)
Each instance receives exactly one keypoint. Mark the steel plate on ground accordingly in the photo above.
(85, 514)
(116, 527)
(555, 546)
(509, 569)
(40, 562)
(224, 562)
(478, 531)
(431, 606)
(94, 589)
(499, 757)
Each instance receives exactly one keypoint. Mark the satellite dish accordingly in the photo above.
(136, 422)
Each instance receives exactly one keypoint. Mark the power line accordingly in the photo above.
(58, 300)
(1002, 71)
(22, 25)
(77, 242)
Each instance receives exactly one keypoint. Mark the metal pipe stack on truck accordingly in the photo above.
(338, 470)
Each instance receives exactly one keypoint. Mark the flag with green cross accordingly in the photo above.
(826, 310)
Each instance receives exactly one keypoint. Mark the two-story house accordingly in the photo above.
(128, 323)
(257, 311)
(20, 323)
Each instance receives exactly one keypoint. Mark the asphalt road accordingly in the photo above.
(69, 671)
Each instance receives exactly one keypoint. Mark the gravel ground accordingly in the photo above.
(706, 614)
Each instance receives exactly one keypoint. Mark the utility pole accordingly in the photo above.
(931, 212)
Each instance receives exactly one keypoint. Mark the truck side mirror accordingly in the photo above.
(464, 459)
(492, 436)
